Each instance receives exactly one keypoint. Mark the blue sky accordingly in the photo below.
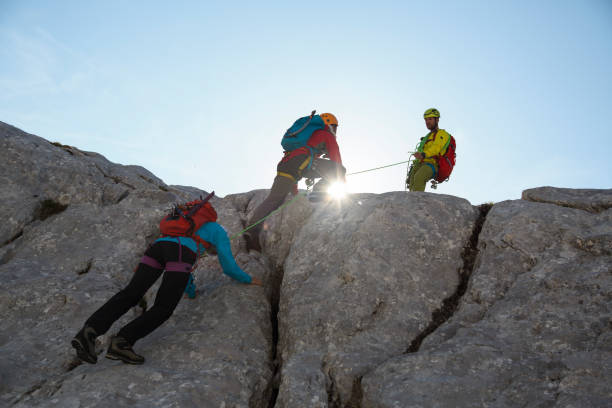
(201, 92)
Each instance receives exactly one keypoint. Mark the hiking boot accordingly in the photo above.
(85, 345)
(121, 349)
(321, 186)
(319, 192)
(252, 241)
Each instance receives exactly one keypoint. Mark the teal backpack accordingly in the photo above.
(298, 134)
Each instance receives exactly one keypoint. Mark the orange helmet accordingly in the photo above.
(329, 119)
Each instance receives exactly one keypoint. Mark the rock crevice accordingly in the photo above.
(275, 362)
(450, 304)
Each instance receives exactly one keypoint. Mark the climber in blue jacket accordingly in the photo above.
(172, 256)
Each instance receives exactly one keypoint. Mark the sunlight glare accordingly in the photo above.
(337, 190)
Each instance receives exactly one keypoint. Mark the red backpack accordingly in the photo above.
(446, 162)
(185, 219)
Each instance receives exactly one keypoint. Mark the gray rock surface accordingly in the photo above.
(360, 283)
(57, 270)
(584, 199)
(534, 328)
(278, 229)
(391, 300)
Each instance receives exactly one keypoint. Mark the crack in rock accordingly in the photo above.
(116, 179)
(332, 395)
(36, 387)
(151, 181)
(86, 269)
(356, 394)
(47, 208)
(123, 196)
(450, 304)
(274, 385)
(44, 210)
(73, 363)
(13, 238)
(64, 147)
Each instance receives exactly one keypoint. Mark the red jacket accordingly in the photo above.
(324, 142)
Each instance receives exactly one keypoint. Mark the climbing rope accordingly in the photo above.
(236, 235)
(381, 167)
(377, 168)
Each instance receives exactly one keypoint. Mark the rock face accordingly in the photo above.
(534, 328)
(361, 282)
(58, 269)
(390, 300)
(584, 199)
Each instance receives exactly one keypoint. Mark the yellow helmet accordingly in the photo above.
(431, 113)
(329, 119)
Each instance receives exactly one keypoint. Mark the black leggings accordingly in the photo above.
(168, 296)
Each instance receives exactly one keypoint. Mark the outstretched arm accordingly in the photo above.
(216, 235)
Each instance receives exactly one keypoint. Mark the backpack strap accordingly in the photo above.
(199, 241)
(441, 155)
(310, 159)
(448, 143)
(304, 126)
(200, 204)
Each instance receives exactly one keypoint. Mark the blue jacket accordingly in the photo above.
(216, 235)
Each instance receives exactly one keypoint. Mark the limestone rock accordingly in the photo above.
(58, 268)
(278, 229)
(584, 199)
(360, 283)
(534, 327)
(33, 170)
(390, 300)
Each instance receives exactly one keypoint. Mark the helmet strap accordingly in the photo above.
(331, 130)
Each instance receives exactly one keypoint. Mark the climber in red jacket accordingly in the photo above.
(305, 161)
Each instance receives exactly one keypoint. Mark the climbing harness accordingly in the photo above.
(434, 182)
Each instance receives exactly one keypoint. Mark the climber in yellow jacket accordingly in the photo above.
(431, 146)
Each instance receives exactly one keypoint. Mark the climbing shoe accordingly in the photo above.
(319, 192)
(252, 241)
(121, 349)
(320, 186)
(85, 345)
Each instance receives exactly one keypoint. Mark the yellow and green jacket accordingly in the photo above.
(432, 145)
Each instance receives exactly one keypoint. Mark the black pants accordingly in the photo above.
(168, 296)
